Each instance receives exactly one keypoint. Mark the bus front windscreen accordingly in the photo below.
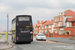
(23, 18)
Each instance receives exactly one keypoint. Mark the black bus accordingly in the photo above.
(22, 30)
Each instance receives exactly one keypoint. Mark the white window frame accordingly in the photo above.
(46, 26)
(50, 26)
(50, 31)
(39, 27)
(68, 24)
(42, 27)
(42, 31)
(61, 32)
(46, 31)
(60, 23)
(54, 24)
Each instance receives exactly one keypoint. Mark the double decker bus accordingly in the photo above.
(22, 30)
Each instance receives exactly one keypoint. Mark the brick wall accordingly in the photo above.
(63, 36)
(47, 35)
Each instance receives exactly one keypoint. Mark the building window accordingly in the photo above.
(46, 26)
(50, 31)
(67, 32)
(46, 31)
(50, 26)
(62, 32)
(60, 23)
(54, 24)
(39, 27)
(42, 27)
(35, 27)
(55, 31)
(35, 32)
(43, 32)
(68, 24)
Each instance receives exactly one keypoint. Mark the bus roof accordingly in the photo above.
(13, 18)
(23, 15)
(20, 15)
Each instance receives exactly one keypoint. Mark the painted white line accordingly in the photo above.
(48, 48)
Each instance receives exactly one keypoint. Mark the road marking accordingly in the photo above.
(47, 41)
(14, 47)
(48, 48)
(9, 41)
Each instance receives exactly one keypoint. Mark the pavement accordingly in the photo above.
(4, 44)
(41, 45)
(63, 40)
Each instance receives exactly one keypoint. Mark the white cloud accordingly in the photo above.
(3, 7)
(53, 3)
(71, 1)
(39, 9)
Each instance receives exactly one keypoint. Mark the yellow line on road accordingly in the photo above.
(14, 47)
(9, 41)
(11, 44)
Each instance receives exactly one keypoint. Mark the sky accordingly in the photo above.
(38, 9)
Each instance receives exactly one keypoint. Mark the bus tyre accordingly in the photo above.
(12, 40)
(15, 41)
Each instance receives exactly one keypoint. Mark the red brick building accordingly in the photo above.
(46, 27)
(63, 25)
(37, 26)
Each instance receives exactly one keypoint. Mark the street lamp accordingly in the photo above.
(7, 25)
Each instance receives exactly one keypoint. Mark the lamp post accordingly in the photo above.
(7, 25)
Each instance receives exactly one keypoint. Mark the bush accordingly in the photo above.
(42, 33)
(0, 36)
(63, 33)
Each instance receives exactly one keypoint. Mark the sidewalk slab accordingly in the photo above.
(4, 44)
(63, 40)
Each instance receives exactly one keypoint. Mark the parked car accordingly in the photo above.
(40, 37)
(9, 34)
(3, 34)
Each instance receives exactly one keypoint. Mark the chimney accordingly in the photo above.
(38, 22)
(42, 21)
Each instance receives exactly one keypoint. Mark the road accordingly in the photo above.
(42, 45)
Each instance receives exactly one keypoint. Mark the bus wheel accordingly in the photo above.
(15, 41)
(12, 40)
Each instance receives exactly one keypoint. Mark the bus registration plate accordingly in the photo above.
(27, 26)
